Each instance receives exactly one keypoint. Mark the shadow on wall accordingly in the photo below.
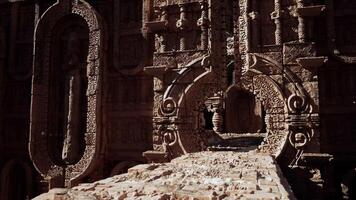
(244, 113)
(16, 181)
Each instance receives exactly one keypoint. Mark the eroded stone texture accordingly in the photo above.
(203, 176)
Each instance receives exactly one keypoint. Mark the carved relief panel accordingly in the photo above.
(180, 31)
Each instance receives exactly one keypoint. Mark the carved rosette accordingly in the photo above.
(302, 124)
(40, 122)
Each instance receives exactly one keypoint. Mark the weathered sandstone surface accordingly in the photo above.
(198, 176)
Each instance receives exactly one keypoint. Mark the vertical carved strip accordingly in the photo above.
(202, 22)
(180, 24)
(244, 45)
(301, 23)
(276, 15)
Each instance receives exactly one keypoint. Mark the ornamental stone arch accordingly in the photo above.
(186, 102)
(191, 134)
(85, 73)
(184, 132)
(296, 123)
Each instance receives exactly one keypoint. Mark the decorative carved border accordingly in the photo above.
(40, 88)
(297, 104)
(275, 106)
(193, 96)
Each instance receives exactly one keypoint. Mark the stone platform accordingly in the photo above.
(197, 176)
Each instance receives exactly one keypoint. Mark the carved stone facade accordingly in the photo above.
(119, 83)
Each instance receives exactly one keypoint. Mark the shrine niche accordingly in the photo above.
(66, 101)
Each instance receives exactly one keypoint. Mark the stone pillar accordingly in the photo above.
(276, 15)
(301, 23)
(181, 25)
(203, 23)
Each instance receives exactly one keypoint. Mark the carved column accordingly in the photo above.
(218, 42)
(301, 23)
(203, 23)
(276, 16)
(181, 25)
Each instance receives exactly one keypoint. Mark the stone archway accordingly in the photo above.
(268, 92)
(70, 174)
(186, 134)
(16, 180)
(181, 128)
